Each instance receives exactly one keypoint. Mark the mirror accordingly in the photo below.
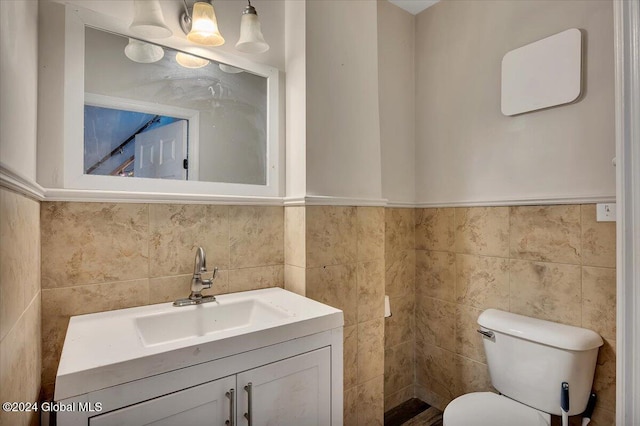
(154, 112)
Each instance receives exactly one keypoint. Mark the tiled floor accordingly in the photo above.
(413, 412)
(430, 417)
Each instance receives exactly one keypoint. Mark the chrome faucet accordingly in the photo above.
(198, 283)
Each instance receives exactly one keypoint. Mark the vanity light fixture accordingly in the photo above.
(201, 25)
(190, 61)
(229, 69)
(144, 53)
(251, 38)
(148, 20)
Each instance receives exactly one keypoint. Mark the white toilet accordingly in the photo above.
(528, 361)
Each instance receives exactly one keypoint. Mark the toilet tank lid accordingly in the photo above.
(536, 330)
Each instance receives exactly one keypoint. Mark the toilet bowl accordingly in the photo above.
(490, 409)
(529, 360)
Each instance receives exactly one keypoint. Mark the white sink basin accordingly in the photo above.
(201, 320)
(110, 348)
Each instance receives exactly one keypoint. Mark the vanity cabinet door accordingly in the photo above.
(294, 391)
(201, 405)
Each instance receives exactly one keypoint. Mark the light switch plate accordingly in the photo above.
(606, 212)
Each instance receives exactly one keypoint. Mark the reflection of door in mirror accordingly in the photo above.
(111, 138)
(226, 108)
(162, 152)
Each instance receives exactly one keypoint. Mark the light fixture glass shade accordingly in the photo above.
(144, 53)
(251, 38)
(190, 61)
(148, 20)
(204, 26)
(229, 69)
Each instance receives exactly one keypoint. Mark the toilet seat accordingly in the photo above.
(490, 409)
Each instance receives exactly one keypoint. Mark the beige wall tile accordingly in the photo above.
(256, 236)
(54, 329)
(370, 279)
(435, 370)
(256, 278)
(32, 330)
(431, 398)
(336, 286)
(350, 356)
(604, 382)
(471, 376)
(435, 322)
(93, 298)
(370, 402)
(294, 236)
(13, 263)
(561, 291)
(482, 282)
(86, 243)
(547, 291)
(19, 256)
(399, 230)
(294, 279)
(350, 407)
(400, 274)
(602, 417)
(598, 239)
(482, 230)
(398, 367)
(599, 300)
(370, 350)
(399, 327)
(177, 230)
(331, 235)
(13, 374)
(435, 229)
(61, 303)
(11, 294)
(170, 289)
(371, 233)
(546, 233)
(468, 340)
(392, 400)
(436, 274)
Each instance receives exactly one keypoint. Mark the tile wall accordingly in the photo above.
(441, 267)
(335, 255)
(399, 338)
(550, 262)
(20, 347)
(102, 256)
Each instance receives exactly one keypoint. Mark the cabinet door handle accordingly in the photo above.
(232, 406)
(249, 414)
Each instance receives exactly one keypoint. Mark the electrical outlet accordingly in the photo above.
(606, 212)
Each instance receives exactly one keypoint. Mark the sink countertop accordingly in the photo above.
(106, 349)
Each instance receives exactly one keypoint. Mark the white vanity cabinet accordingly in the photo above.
(294, 391)
(282, 371)
(199, 405)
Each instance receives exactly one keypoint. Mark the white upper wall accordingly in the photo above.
(467, 151)
(296, 99)
(396, 77)
(19, 86)
(343, 132)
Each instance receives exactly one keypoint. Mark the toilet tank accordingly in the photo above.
(529, 359)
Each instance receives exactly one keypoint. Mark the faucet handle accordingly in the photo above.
(208, 283)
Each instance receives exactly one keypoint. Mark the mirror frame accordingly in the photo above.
(76, 18)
